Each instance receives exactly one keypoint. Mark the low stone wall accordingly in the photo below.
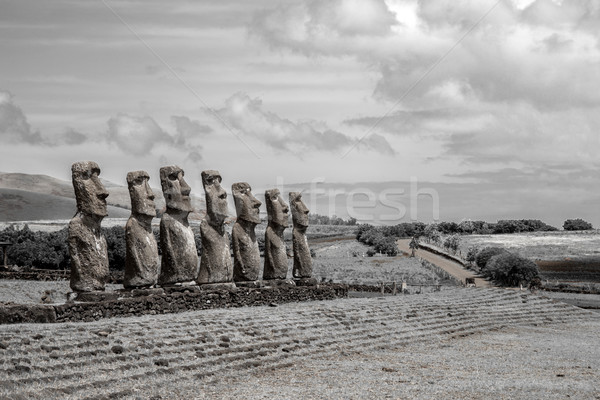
(442, 253)
(167, 301)
(35, 275)
(30, 274)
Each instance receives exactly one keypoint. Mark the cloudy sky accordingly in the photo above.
(502, 95)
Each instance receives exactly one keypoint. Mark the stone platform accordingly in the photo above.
(167, 300)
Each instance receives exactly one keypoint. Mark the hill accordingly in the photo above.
(22, 205)
(26, 197)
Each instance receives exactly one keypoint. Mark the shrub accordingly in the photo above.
(36, 249)
(577, 225)
(511, 269)
(370, 253)
(115, 243)
(386, 246)
(472, 254)
(484, 256)
(452, 242)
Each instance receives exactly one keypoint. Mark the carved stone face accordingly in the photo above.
(142, 198)
(216, 196)
(277, 210)
(247, 206)
(89, 190)
(299, 209)
(175, 189)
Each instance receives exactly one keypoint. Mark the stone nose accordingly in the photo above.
(185, 188)
(149, 191)
(255, 202)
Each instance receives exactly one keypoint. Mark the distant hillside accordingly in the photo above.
(22, 205)
(38, 197)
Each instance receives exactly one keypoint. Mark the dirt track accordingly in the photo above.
(451, 267)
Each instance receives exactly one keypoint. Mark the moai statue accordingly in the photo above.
(246, 254)
(87, 245)
(276, 265)
(215, 264)
(302, 269)
(141, 257)
(179, 263)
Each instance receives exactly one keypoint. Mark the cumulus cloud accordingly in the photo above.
(317, 27)
(14, 127)
(188, 129)
(140, 135)
(247, 115)
(521, 86)
(72, 137)
(135, 135)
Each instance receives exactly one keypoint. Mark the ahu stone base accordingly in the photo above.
(279, 283)
(166, 300)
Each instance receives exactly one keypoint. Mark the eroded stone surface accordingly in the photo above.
(302, 259)
(276, 265)
(141, 258)
(246, 253)
(215, 264)
(179, 261)
(87, 245)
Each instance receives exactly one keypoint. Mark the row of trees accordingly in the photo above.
(49, 250)
(486, 228)
(577, 225)
(316, 219)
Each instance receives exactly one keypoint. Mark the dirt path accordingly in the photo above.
(451, 267)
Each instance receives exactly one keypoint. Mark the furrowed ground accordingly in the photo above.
(266, 352)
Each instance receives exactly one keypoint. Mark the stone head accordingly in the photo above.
(247, 206)
(216, 196)
(299, 210)
(89, 190)
(277, 210)
(142, 197)
(175, 188)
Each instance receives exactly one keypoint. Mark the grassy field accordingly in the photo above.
(540, 245)
(561, 256)
(335, 261)
(374, 348)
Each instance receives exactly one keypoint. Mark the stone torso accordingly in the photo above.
(246, 254)
(275, 255)
(89, 257)
(215, 264)
(141, 260)
(302, 258)
(179, 257)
